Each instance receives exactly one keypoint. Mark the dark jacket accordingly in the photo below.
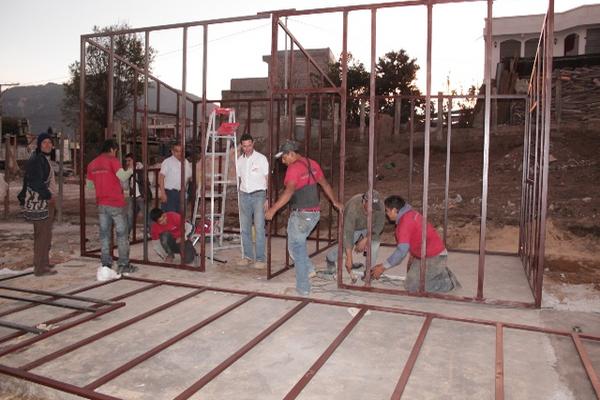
(37, 172)
(138, 176)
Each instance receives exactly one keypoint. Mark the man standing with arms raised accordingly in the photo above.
(301, 179)
(252, 170)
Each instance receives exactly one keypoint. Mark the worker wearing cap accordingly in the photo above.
(301, 190)
(409, 228)
(355, 230)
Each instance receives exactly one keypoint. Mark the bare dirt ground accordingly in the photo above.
(573, 224)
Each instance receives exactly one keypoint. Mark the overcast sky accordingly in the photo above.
(39, 39)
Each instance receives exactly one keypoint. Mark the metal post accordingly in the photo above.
(61, 179)
(272, 84)
(110, 95)
(82, 74)
(397, 116)
(343, 106)
(426, 151)
(447, 185)
(371, 166)
(202, 146)
(548, 53)
(411, 137)
(486, 148)
(440, 116)
(362, 121)
(182, 125)
(558, 100)
(145, 139)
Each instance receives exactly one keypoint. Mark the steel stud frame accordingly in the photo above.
(535, 171)
(89, 390)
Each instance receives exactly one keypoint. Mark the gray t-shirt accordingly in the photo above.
(355, 219)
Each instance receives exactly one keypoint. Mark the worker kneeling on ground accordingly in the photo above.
(355, 231)
(167, 229)
(409, 224)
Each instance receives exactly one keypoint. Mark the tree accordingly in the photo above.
(396, 75)
(125, 82)
(357, 83)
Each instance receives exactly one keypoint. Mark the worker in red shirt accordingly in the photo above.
(302, 179)
(167, 229)
(409, 228)
(106, 175)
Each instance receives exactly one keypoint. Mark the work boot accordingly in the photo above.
(260, 265)
(126, 269)
(244, 262)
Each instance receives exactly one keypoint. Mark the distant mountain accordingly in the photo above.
(41, 105)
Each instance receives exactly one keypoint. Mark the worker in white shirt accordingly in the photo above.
(169, 179)
(252, 173)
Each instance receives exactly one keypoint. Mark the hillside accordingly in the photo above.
(41, 105)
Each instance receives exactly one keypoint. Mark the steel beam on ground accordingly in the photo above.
(21, 327)
(59, 329)
(312, 371)
(55, 294)
(200, 383)
(412, 359)
(48, 303)
(409, 365)
(499, 365)
(99, 335)
(13, 276)
(587, 363)
(76, 313)
(164, 345)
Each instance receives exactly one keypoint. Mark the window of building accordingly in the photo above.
(510, 49)
(592, 41)
(531, 47)
(572, 45)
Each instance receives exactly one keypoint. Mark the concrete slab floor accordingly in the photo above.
(456, 360)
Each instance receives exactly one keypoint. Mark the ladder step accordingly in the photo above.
(216, 135)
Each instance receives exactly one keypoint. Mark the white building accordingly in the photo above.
(576, 32)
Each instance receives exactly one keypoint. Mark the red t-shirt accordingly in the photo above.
(409, 230)
(172, 225)
(298, 173)
(103, 172)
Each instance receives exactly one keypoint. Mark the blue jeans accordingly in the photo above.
(252, 210)
(134, 206)
(172, 203)
(300, 225)
(332, 255)
(107, 215)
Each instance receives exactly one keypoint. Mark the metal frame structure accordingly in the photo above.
(90, 389)
(281, 92)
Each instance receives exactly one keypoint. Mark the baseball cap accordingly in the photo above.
(287, 146)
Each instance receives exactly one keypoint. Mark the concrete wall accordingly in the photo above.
(249, 88)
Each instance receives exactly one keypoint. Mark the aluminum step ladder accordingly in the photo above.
(221, 142)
